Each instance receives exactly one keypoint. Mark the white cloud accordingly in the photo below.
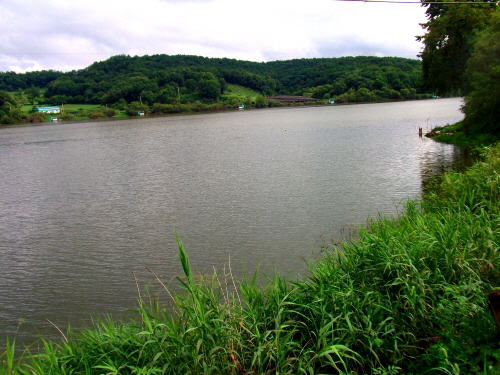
(67, 35)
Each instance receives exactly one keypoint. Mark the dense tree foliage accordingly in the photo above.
(183, 79)
(8, 112)
(482, 105)
(12, 81)
(450, 35)
(462, 56)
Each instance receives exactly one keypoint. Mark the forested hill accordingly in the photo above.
(167, 79)
(289, 75)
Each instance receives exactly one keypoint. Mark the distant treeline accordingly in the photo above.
(182, 79)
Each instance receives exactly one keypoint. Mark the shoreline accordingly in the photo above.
(408, 294)
(191, 113)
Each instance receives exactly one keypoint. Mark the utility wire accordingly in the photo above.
(423, 2)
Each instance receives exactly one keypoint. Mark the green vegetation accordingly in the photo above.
(407, 296)
(9, 113)
(70, 112)
(462, 45)
(241, 91)
(193, 83)
(482, 103)
(79, 107)
(455, 134)
(449, 40)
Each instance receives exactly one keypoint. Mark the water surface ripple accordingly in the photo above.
(86, 204)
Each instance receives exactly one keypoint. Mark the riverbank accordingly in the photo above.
(407, 296)
(85, 112)
(455, 134)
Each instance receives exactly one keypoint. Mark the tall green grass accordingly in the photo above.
(406, 296)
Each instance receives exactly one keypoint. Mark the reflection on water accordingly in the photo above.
(86, 205)
(442, 158)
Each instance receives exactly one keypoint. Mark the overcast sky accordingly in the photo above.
(72, 34)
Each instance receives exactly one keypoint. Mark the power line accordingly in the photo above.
(423, 2)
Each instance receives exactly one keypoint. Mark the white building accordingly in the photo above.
(54, 109)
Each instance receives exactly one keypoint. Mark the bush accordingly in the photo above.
(260, 102)
(120, 105)
(34, 118)
(135, 107)
(273, 103)
(96, 114)
(13, 116)
(66, 116)
(167, 108)
(109, 112)
(8, 120)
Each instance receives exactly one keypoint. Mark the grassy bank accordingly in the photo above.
(408, 296)
(455, 134)
(234, 97)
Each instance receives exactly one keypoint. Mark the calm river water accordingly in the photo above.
(85, 205)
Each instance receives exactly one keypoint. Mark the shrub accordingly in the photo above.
(135, 107)
(66, 116)
(260, 102)
(34, 118)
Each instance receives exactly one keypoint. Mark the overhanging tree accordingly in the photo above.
(482, 105)
(451, 32)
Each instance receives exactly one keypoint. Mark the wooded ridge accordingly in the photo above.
(170, 79)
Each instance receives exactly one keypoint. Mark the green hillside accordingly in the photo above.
(158, 77)
(166, 84)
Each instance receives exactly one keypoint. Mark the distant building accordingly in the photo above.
(54, 109)
(292, 98)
